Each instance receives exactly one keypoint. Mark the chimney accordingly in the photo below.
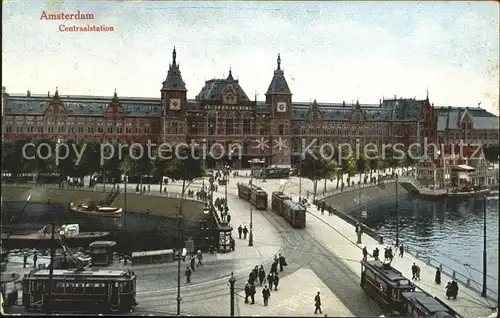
(48, 93)
(343, 103)
(28, 93)
(380, 101)
(395, 97)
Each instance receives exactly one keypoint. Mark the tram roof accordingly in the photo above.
(388, 272)
(431, 304)
(293, 205)
(86, 273)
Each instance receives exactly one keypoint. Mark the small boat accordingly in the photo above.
(96, 210)
(43, 238)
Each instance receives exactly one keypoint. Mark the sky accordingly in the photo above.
(330, 51)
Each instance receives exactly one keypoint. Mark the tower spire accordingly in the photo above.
(279, 62)
(174, 55)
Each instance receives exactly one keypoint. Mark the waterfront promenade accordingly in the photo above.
(340, 237)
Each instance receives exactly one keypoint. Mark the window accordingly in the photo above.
(147, 128)
(193, 129)
(281, 129)
(263, 130)
(211, 126)
(118, 127)
(229, 126)
(246, 127)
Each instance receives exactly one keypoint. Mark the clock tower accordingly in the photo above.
(174, 103)
(279, 99)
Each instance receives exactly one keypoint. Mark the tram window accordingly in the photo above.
(79, 288)
(395, 294)
(60, 287)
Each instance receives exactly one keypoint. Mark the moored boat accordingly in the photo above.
(43, 238)
(96, 210)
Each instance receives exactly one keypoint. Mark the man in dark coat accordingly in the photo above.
(251, 277)
(282, 262)
(247, 291)
(454, 289)
(35, 259)
(414, 271)
(25, 260)
(365, 253)
(401, 250)
(317, 303)
(188, 275)
(270, 279)
(274, 267)
(262, 274)
(252, 293)
(245, 232)
(266, 293)
(376, 253)
(240, 230)
(276, 281)
(193, 260)
(437, 278)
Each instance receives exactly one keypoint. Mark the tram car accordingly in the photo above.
(83, 291)
(253, 194)
(258, 198)
(244, 191)
(294, 213)
(277, 199)
(396, 294)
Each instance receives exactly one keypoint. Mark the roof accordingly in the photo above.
(293, 205)
(278, 84)
(214, 90)
(450, 117)
(82, 274)
(174, 79)
(429, 303)
(389, 274)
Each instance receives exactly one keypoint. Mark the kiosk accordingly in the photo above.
(101, 252)
(225, 235)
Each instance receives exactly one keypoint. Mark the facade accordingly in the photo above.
(221, 113)
(453, 166)
(472, 125)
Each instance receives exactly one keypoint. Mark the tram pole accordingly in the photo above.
(300, 178)
(179, 236)
(125, 181)
(397, 211)
(250, 237)
(51, 266)
(232, 280)
(483, 293)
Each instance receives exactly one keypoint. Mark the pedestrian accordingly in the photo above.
(414, 271)
(276, 281)
(437, 278)
(270, 279)
(247, 291)
(232, 244)
(376, 253)
(188, 275)
(25, 260)
(266, 293)
(200, 258)
(35, 259)
(274, 267)
(262, 275)
(401, 250)
(317, 303)
(365, 253)
(417, 273)
(252, 293)
(454, 289)
(228, 218)
(251, 277)
(282, 262)
(449, 290)
(245, 232)
(193, 260)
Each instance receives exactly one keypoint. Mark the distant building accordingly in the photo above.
(222, 113)
(453, 167)
(473, 125)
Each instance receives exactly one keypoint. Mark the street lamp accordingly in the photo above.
(483, 292)
(204, 141)
(125, 182)
(250, 237)
(397, 211)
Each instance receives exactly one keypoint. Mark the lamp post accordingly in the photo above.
(300, 178)
(397, 212)
(204, 141)
(125, 183)
(250, 237)
(483, 292)
(232, 280)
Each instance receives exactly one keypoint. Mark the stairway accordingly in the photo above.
(110, 197)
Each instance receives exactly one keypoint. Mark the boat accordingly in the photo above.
(463, 193)
(96, 210)
(43, 238)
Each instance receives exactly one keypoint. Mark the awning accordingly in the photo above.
(464, 167)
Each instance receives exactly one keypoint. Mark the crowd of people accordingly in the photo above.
(258, 275)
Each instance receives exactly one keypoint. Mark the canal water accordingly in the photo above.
(135, 231)
(448, 230)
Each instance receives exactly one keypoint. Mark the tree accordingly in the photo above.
(491, 153)
(314, 167)
(373, 165)
(391, 159)
(348, 166)
(361, 166)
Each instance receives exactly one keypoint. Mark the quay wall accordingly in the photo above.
(161, 205)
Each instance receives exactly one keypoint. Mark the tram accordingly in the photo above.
(385, 284)
(294, 213)
(86, 291)
(397, 294)
(253, 194)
